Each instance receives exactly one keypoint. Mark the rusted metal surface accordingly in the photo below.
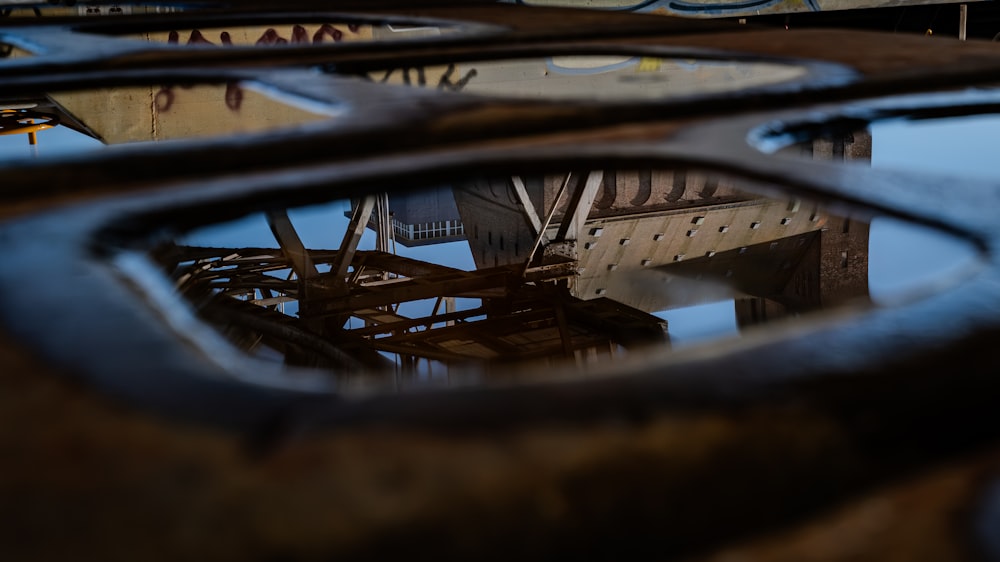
(132, 430)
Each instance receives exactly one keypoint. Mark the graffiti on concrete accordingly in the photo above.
(418, 76)
(298, 35)
(723, 8)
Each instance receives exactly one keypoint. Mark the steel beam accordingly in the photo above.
(527, 207)
(349, 245)
(579, 207)
(292, 246)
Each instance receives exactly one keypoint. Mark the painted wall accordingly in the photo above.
(726, 8)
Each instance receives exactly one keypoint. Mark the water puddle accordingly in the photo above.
(908, 259)
(83, 120)
(32, 129)
(901, 250)
(947, 134)
(88, 10)
(958, 146)
(954, 146)
(591, 77)
(570, 268)
(10, 52)
(300, 33)
(156, 113)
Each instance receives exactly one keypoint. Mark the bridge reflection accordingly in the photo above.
(569, 268)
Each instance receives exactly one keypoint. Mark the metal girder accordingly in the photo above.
(409, 323)
(579, 207)
(291, 244)
(401, 265)
(349, 245)
(417, 289)
(527, 207)
(540, 236)
(276, 325)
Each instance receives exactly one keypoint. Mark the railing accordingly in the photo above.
(428, 230)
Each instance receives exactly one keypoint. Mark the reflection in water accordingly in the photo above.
(147, 113)
(291, 34)
(263, 36)
(854, 146)
(586, 77)
(26, 119)
(89, 10)
(659, 241)
(173, 111)
(910, 259)
(955, 145)
(567, 268)
(559, 268)
(8, 51)
(30, 128)
(134, 114)
(920, 140)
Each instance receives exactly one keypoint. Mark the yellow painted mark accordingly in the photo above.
(649, 64)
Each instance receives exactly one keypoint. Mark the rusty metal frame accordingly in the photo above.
(97, 308)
